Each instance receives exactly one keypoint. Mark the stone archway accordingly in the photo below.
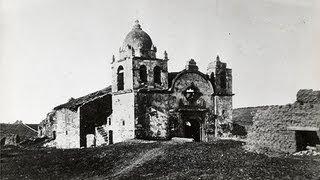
(192, 129)
(192, 121)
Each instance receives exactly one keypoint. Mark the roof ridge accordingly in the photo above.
(30, 128)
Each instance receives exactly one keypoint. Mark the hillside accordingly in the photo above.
(24, 131)
(223, 159)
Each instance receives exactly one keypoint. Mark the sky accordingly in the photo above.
(52, 50)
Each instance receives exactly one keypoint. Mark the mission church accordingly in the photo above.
(145, 101)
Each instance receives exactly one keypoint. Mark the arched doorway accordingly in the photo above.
(192, 129)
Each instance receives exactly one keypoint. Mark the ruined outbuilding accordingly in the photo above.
(16, 133)
(284, 128)
(146, 101)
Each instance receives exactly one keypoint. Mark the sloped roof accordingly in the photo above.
(23, 130)
(73, 104)
(33, 126)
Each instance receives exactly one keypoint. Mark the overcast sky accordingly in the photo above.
(51, 50)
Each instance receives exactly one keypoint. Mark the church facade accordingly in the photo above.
(145, 101)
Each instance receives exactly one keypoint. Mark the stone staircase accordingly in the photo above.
(103, 133)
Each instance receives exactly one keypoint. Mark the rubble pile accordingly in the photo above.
(311, 151)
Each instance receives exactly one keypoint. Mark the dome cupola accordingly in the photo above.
(137, 38)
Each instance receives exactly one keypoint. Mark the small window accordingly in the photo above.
(157, 75)
(143, 73)
(109, 121)
(54, 135)
(120, 78)
(123, 122)
(66, 132)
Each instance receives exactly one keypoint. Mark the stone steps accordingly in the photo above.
(103, 133)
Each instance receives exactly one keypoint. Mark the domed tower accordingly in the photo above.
(139, 64)
(136, 68)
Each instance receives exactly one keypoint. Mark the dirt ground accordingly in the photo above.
(224, 159)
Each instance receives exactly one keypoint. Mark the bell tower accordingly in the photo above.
(137, 68)
(221, 79)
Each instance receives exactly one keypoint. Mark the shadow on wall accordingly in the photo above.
(306, 138)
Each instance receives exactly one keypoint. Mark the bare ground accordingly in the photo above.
(223, 159)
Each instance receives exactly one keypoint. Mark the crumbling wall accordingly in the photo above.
(242, 119)
(308, 96)
(68, 129)
(12, 139)
(152, 115)
(123, 119)
(270, 129)
(224, 112)
(47, 127)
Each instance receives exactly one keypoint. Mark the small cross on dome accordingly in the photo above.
(136, 25)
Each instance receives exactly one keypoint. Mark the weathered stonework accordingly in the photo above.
(68, 129)
(148, 102)
(277, 128)
(308, 96)
(48, 126)
(69, 124)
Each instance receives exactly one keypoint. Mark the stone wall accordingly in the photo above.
(68, 129)
(150, 65)
(308, 96)
(242, 119)
(152, 116)
(201, 109)
(48, 126)
(271, 127)
(223, 107)
(127, 74)
(123, 119)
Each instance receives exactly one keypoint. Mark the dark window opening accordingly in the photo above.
(109, 121)
(192, 93)
(110, 137)
(123, 123)
(157, 75)
(66, 132)
(120, 78)
(223, 79)
(18, 139)
(306, 138)
(143, 73)
(54, 135)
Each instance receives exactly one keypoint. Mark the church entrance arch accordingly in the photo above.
(192, 123)
(192, 129)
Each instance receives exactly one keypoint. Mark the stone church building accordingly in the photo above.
(145, 101)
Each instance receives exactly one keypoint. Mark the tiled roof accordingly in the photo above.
(75, 103)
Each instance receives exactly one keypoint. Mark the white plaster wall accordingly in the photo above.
(68, 129)
(123, 109)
